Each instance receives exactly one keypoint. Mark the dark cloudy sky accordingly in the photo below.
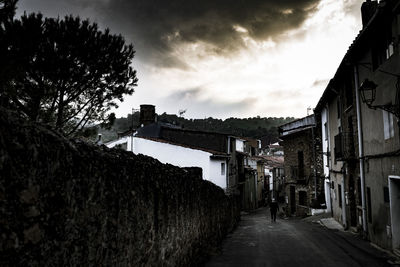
(224, 58)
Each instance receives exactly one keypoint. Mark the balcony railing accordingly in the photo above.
(344, 146)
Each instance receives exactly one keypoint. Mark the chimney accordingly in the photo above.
(147, 115)
(99, 140)
(368, 9)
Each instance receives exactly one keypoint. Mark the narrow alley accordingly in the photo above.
(294, 242)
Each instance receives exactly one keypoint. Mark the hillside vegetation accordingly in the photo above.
(265, 129)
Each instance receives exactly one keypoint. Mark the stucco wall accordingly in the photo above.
(67, 203)
(377, 165)
(337, 211)
(380, 169)
(216, 175)
(325, 159)
(182, 157)
(325, 140)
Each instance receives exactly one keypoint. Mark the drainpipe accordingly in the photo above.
(344, 204)
(343, 171)
(360, 151)
(314, 160)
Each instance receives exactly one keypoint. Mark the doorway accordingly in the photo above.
(292, 199)
(394, 193)
(352, 202)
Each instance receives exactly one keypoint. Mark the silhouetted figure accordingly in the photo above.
(273, 206)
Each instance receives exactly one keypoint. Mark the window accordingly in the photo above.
(303, 198)
(338, 147)
(340, 194)
(386, 194)
(369, 208)
(388, 128)
(222, 168)
(294, 172)
(389, 50)
(326, 130)
(300, 161)
(383, 48)
(359, 191)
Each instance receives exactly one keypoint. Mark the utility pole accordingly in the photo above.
(132, 130)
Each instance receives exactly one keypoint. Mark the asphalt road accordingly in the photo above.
(259, 242)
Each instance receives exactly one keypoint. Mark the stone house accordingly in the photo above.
(302, 166)
(361, 141)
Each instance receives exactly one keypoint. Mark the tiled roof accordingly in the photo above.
(357, 42)
(215, 153)
(273, 161)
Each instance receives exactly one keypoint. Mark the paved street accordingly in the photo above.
(259, 242)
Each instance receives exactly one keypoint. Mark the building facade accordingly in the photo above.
(302, 166)
(360, 110)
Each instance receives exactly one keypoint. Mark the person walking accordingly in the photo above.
(273, 206)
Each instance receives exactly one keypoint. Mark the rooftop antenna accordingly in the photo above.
(181, 112)
(309, 109)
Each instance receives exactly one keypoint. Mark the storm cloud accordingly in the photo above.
(157, 27)
(214, 106)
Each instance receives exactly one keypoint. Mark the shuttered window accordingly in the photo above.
(388, 128)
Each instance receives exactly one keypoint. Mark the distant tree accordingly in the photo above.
(66, 72)
(7, 12)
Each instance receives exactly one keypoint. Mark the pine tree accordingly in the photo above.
(65, 72)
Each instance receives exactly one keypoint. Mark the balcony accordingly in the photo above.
(297, 174)
(344, 146)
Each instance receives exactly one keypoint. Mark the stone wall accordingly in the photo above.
(303, 141)
(65, 202)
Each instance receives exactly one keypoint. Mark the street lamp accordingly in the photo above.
(368, 92)
(368, 95)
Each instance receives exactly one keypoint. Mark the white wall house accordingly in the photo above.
(214, 165)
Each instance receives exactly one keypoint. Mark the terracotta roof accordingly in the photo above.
(273, 161)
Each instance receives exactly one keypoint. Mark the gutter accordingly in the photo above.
(361, 152)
